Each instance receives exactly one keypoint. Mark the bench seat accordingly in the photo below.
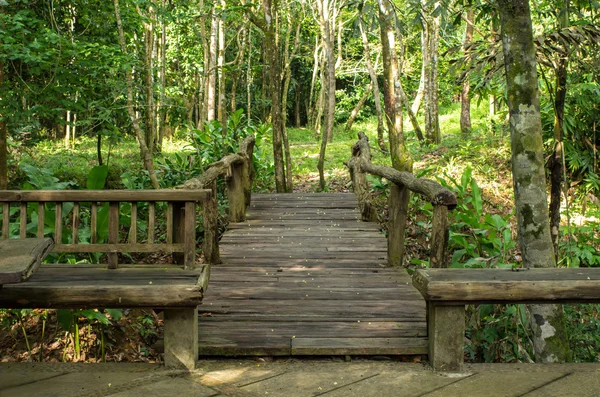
(447, 291)
(95, 286)
(468, 286)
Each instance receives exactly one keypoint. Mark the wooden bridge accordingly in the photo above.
(305, 276)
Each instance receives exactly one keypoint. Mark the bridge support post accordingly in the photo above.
(446, 330)
(236, 194)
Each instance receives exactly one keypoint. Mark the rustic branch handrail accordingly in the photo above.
(442, 199)
(238, 171)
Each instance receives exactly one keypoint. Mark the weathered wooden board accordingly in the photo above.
(86, 287)
(308, 286)
(505, 285)
(19, 259)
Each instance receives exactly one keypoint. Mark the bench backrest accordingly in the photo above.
(107, 221)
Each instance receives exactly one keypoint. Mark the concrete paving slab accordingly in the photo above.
(492, 384)
(396, 383)
(20, 379)
(294, 377)
(180, 387)
(312, 379)
(71, 384)
(581, 384)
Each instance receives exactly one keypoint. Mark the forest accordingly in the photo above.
(146, 94)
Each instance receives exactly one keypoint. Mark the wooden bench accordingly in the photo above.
(447, 291)
(93, 223)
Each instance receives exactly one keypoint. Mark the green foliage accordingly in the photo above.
(498, 333)
(477, 240)
(97, 177)
(583, 324)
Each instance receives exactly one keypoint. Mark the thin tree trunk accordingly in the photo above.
(430, 57)
(465, 99)
(221, 111)
(326, 24)
(249, 78)
(374, 84)
(145, 153)
(312, 109)
(556, 160)
(421, 90)
(287, 77)
(547, 321)
(211, 73)
(357, 108)
(271, 51)
(163, 83)
(149, 82)
(3, 138)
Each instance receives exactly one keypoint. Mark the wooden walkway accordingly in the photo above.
(304, 276)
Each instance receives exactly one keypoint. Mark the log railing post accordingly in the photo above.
(236, 194)
(439, 236)
(398, 209)
(210, 246)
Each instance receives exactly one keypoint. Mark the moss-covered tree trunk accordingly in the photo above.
(547, 321)
(556, 160)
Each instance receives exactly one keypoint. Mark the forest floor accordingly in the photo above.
(475, 167)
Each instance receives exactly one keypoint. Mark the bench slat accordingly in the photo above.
(104, 195)
(119, 247)
(463, 286)
(86, 287)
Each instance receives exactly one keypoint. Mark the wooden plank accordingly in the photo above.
(5, 220)
(58, 223)
(104, 195)
(113, 233)
(94, 222)
(23, 221)
(460, 286)
(119, 247)
(19, 259)
(41, 220)
(151, 220)
(133, 227)
(354, 346)
(75, 231)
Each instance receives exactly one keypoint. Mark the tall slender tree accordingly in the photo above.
(549, 329)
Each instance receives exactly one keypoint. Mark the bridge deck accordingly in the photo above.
(304, 276)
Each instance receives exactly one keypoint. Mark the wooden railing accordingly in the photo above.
(179, 219)
(442, 199)
(238, 171)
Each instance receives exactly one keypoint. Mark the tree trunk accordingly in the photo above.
(211, 73)
(421, 90)
(374, 84)
(401, 159)
(549, 331)
(465, 99)
(221, 111)
(149, 82)
(326, 23)
(3, 139)
(287, 78)
(271, 51)
(556, 160)
(357, 108)
(163, 83)
(145, 153)
(312, 109)
(430, 60)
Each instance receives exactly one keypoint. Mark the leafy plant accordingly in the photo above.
(477, 240)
